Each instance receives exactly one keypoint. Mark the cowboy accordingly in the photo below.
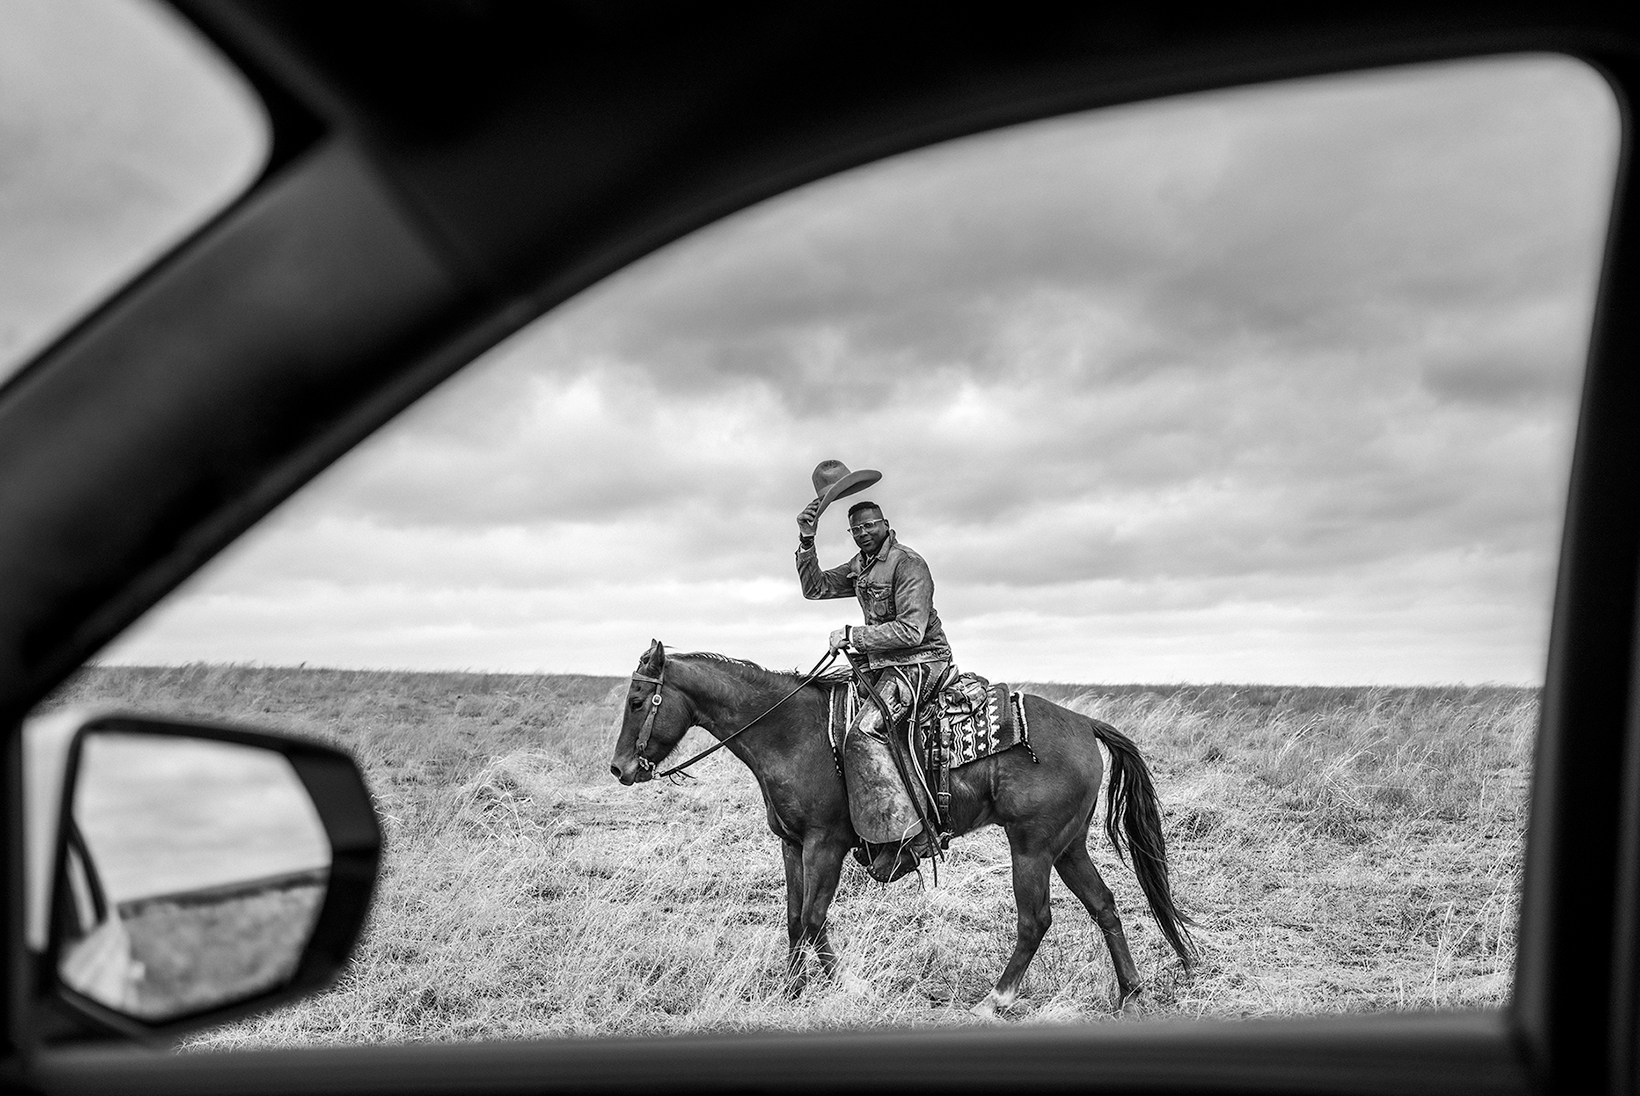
(905, 653)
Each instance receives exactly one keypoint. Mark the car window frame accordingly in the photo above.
(1576, 976)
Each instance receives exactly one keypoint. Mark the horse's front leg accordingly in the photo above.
(822, 867)
(1031, 897)
(792, 852)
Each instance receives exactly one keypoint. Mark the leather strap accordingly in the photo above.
(897, 751)
(808, 679)
(648, 727)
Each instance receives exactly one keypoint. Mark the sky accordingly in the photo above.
(1269, 385)
(164, 815)
(118, 134)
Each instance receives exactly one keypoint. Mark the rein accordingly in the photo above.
(655, 707)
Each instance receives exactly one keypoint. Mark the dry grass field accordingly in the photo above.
(1341, 849)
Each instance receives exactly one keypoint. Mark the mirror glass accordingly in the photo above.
(195, 872)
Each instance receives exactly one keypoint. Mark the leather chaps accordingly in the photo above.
(878, 800)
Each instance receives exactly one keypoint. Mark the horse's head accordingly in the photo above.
(654, 719)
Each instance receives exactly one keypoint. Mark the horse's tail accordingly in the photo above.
(1132, 818)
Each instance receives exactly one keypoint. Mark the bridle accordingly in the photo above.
(648, 728)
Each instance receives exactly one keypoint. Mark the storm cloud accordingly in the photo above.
(1274, 384)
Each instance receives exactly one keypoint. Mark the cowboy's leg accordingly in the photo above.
(915, 700)
(933, 675)
(877, 799)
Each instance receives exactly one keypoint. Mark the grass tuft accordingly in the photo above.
(1341, 849)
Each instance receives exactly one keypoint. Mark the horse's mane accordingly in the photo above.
(743, 681)
(713, 656)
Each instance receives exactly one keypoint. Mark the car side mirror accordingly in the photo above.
(199, 873)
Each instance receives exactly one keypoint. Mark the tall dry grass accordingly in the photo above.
(1340, 849)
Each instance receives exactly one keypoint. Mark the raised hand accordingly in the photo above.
(809, 518)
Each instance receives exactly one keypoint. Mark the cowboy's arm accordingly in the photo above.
(820, 585)
(913, 605)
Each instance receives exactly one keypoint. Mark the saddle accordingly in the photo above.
(969, 718)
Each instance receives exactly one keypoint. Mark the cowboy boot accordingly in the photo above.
(893, 862)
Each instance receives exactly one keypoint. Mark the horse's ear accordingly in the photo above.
(655, 658)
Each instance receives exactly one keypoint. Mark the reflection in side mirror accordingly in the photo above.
(211, 863)
(203, 872)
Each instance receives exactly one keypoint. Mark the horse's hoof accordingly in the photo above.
(1130, 1008)
(853, 985)
(987, 1009)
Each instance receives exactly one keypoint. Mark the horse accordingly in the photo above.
(1045, 804)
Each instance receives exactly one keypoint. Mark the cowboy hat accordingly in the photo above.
(833, 480)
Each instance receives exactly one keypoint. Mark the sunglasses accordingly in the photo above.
(864, 525)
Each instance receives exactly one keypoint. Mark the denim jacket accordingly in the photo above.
(896, 593)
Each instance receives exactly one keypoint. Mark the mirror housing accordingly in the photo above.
(206, 823)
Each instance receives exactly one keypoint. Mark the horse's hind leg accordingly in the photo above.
(1031, 899)
(1076, 868)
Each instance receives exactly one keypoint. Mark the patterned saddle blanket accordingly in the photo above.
(972, 719)
(976, 719)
